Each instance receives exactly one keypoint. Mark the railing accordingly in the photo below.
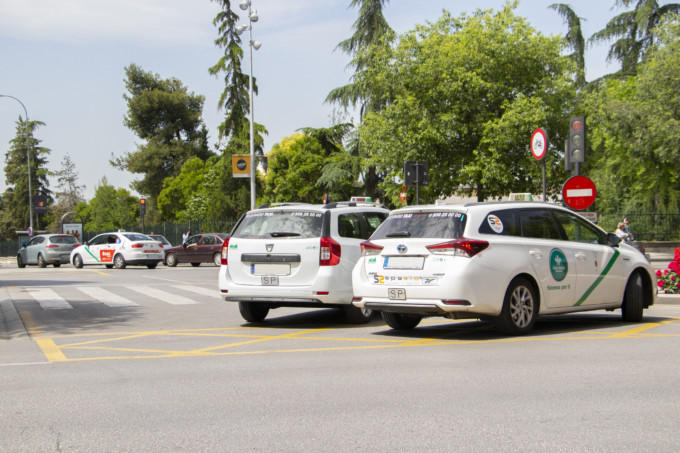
(645, 226)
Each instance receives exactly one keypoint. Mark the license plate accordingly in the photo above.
(270, 280)
(396, 293)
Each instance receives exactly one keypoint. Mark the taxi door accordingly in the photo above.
(553, 263)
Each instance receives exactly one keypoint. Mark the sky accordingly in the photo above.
(65, 59)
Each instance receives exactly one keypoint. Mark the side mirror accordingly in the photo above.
(613, 240)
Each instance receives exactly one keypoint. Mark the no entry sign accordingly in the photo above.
(579, 192)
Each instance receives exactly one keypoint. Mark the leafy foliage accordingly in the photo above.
(110, 209)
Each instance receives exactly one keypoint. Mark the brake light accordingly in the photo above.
(76, 245)
(329, 254)
(460, 247)
(51, 246)
(160, 245)
(368, 248)
(225, 250)
(137, 246)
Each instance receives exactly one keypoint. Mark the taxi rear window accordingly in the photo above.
(444, 224)
(280, 224)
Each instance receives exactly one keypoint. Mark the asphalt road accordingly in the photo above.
(153, 360)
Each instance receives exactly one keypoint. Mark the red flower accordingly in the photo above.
(658, 273)
(659, 284)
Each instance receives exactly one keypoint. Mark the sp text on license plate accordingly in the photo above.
(396, 293)
(270, 280)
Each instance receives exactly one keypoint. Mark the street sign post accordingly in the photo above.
(579, 192)
(539, 149)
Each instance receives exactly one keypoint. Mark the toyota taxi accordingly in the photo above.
(503, 261)
(119, 250)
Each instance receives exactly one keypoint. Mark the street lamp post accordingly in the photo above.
(252, 17)
(28, 162)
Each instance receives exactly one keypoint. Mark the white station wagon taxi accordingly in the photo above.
(118, 250)
(505, 261)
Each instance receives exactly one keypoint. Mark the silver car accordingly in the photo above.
(44, 249)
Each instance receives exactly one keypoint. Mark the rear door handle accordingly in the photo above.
(581, 256)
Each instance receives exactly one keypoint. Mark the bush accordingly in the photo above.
(668, 280)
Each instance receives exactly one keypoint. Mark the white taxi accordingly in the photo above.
(118, 250)
(504, 261)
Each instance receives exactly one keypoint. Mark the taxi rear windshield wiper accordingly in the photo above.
(282, 234)
(399, 234)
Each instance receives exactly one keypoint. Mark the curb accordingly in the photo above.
(11, 325)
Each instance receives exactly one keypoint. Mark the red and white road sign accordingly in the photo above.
(539, 143)
(579, 192)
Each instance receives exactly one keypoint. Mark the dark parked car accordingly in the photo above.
(200, 248)
(45, 249)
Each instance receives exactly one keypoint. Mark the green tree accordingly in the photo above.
(466, 95)
(168, 118)
(574, 38)
(68, 192)
(15, 202)
(634, 31)
(634, 132)
(109, 209)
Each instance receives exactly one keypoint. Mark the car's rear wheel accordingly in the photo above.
(41, 261)
(195, 264)
(171, 260)
(252, 311)
(78, 261)
(20, 262)
(633, 299)
(520, 308)
(357, 315)
(401, 321)
(119, 262)
(152, 265)
(57, 264)
(217, 259)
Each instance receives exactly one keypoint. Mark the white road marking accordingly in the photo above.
(199, 290)
(106, 297)
(48, 299)
(165, 296)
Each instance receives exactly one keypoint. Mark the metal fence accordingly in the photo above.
(171, 230)
(645, 226)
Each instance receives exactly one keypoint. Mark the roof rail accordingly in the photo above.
(274, 205)
(339, 204)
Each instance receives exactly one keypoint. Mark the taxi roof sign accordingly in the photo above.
(362, 199)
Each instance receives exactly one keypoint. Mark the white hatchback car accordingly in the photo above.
(296, 255)
(508, 262)
(118, 250)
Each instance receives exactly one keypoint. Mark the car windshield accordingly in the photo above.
(137, 237)
(63, 240)
(444, 225)
(280, 224)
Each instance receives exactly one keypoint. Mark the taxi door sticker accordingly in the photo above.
(558, 265)
(495, 224)
(106, 256)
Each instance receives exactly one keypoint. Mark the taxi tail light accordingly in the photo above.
(460, 247)
(368, 248)
(225, 250)
(329, 254)
(137, 246)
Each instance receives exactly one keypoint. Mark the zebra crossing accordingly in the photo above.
(65, 297)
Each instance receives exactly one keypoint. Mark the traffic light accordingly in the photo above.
(576, 146)
(142, 206)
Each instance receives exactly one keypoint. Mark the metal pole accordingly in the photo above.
(544, 187)
(253, 164)
(28, 161)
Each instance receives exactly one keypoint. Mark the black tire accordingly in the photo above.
(171, 260)
(217, 259)
(57, 264)
(633, 299)
(78, 261)
(20, 262)
(119, 262)
(401, 321)
(520, 308)
(253, 311)
(195, 264)
(152, 265)
(41, 261)
(357, 315)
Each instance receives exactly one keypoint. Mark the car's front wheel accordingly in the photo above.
(357, 315)
(253, 311)
(170, 260)
(520, 308)
(401, 321)
(78, 261)
(20, 262)
(633, 299)
(217, 259)
(119, 262)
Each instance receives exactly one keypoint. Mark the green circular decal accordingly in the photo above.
(558, 264)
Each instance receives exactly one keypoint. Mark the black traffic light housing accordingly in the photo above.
(142, 206)
(576, 146)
